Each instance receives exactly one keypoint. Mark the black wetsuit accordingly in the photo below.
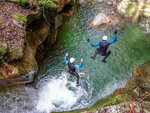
(103, 46)
(72, 70)
(102, 50)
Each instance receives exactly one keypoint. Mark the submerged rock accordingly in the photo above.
(100, 20)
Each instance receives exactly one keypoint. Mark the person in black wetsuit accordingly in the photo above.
(72, 67)
(103, 47)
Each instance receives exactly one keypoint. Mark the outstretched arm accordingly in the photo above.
(97, 44)
(79, 66)
(65, 59)
(115, 37)
(94, 45)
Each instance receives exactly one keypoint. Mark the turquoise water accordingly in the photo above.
(97, 79)
(55, 91)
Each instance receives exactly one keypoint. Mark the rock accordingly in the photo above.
(122, 6)
(100, 20)
(122, 108)
(146, 25)
(100, 1)
(81, 1)
(109, 3)
(61, 4)
(148, 1)
(146, 11)
(133, 10)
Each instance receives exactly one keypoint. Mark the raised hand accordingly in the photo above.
(116, 31)
(81, 59)
(66, 54)
(87, 39)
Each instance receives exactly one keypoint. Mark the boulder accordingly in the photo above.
(133, 10)
(100, 20)
(146, 11)
(120, 108)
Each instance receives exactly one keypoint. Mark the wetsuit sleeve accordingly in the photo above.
(65, 60)
(112, 41)
(97, 44)
(79, 66)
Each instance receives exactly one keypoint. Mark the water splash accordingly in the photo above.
(59, 93)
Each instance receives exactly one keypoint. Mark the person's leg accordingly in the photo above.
(76, 74)
(107, 54)
(96, 52)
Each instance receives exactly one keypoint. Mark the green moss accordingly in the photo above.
(20, 17)
(21, 72)
(132, 9)
(3, 48)
(47, 4)
(22, 1)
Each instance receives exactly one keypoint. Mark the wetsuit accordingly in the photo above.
(72, 68)
(103, 46)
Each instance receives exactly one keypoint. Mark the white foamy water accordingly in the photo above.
(59, 94)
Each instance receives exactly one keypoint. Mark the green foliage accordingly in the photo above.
(3, 48)
(20, 17)
(47, 4)
(22, 1)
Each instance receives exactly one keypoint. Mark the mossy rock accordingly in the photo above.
(132, 9)
(48, 3)
(37, 3)
(20, 17)
(3, 48)
(15, 54)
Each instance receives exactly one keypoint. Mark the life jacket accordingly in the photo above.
(71, 67)
(103, 47)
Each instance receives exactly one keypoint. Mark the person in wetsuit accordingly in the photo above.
(72, 67)
(103, 46)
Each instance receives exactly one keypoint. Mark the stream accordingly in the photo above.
(53, 90)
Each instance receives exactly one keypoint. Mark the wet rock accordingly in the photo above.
(109, 3)
(133, 10)
(146, 10)
(100, 20)
(100, 1)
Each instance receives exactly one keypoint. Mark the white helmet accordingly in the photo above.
(105, 37)
(72, 60)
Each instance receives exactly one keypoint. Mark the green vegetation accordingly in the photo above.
(22, 1)
(132, 9)
(20, 17)
(47, 3)
(21, 72)
(3, 48)
(15, 54)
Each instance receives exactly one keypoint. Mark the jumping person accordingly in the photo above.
(72, 67)
(103, 46)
